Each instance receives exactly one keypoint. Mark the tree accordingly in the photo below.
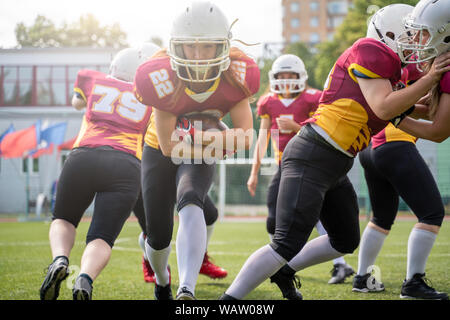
(86, 32)
(352, 28)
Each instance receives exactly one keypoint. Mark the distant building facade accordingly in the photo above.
(312, 21)
(37, 84)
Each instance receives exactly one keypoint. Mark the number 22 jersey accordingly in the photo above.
(113, 115)
(156, 85)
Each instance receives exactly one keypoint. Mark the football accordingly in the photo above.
(205, 122)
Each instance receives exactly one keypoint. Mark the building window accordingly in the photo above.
(314, 6)
(295, 7)
(33, 162)
(295, 38)
(39, 85)
(334, 22)
(338, 7)
(314, 38)
(314, 22)
(295, 23)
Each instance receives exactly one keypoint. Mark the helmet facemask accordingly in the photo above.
(287, 86)
(204, 70)
(411, 46)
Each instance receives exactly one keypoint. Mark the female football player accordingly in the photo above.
(198, 74)
(358, 101)
(393, 165)
(105, 164)
(288, 103)
(208, 268)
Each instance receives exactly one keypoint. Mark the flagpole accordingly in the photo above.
(27, 188)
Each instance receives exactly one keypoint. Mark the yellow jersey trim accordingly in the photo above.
(213, 88)
(367, 72)
(78, 90)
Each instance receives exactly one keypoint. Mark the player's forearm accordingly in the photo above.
(231, 139)
(423, 129)
(399, 101)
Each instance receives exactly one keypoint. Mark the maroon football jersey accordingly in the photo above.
(300, 109)
(154, 86)
(113, 115)
(343, 112)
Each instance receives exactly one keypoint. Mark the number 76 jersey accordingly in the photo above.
(113, 116)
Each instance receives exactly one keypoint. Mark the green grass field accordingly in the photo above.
(25, 254)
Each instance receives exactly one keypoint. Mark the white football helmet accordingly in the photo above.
(200, 22)
(288, 63)
(125, 64)
(434, 17)
(387, 24)
(147, 49)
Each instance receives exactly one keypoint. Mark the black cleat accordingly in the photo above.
(417, 288)
(366, 283)
(287, 284)
(340, 272)
(57, 271)
(82, 289)
(185, 294)
(163, 293)
(227, 297)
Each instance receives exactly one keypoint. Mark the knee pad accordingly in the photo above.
(211, 214)
(158, 244)
(109, 241)
(346, 244)
(434, 217)
(189, 197)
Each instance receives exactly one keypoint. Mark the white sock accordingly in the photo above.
(321, 231)
(420, 243)
(339, 260)
(142, 244)
(371, 242)
(191, 245)
(159, 260)
(209, 232)
(259, 266)
(314, 252)
(271, 236)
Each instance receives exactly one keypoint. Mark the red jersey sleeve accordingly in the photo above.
(372, 59)
(261, 106)
(247, 72)
(85, 82)
(313, 99)
(445, 83)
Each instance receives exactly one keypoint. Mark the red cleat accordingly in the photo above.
(211, 270)
(149, 275)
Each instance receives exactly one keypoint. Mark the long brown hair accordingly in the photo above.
(434, 95)
(229, 75)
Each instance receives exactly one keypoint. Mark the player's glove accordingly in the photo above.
(185, 130)
(396, 120)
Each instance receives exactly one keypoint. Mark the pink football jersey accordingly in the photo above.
(343, 112)
(156, 82)
(445, 83)
(113, 115)
(299, 110)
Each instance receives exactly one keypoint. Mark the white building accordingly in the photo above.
(37, 83)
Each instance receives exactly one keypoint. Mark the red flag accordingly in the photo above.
(15, 144)
(40, 152)
(67, 145)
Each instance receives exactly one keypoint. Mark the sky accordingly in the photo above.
(259, 20)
